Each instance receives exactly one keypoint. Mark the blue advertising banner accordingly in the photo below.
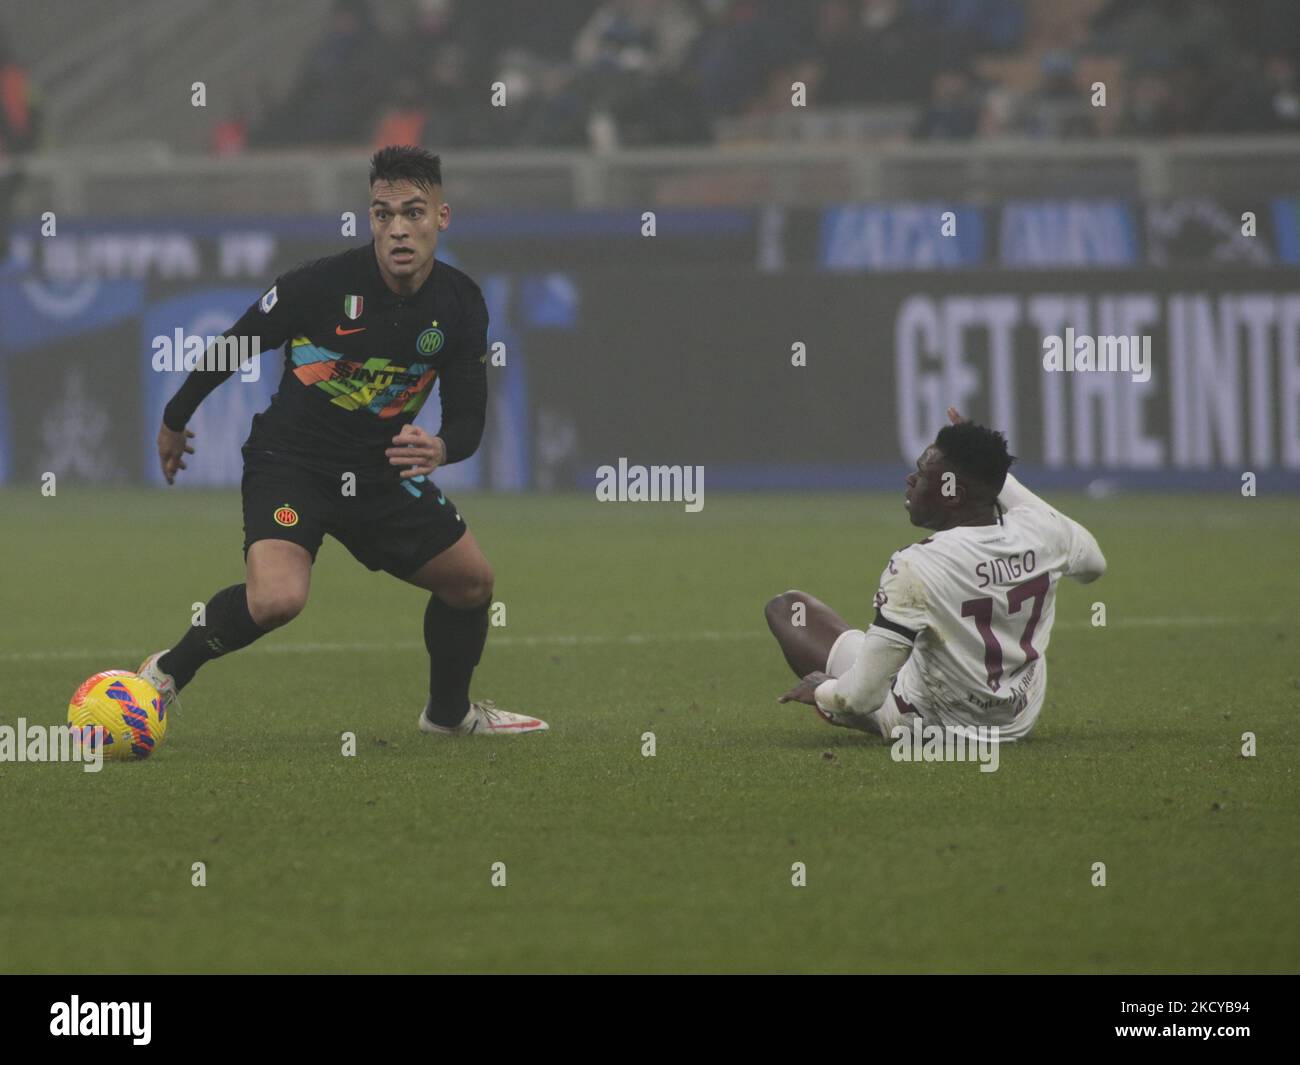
(919, 236)
(1042, 234)
(1286, 229)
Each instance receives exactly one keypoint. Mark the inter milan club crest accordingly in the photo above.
(430, 341)
(352, 306)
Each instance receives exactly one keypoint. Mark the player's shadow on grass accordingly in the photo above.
(829, 738)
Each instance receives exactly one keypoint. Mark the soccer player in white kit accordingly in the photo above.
(963, 618)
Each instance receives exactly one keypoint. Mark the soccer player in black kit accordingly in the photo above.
(366, 334)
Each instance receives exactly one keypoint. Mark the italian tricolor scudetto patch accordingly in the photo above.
(352, 306)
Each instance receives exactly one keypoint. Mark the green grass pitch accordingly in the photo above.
(621, 620)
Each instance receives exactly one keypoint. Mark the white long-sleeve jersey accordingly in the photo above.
(971, 608)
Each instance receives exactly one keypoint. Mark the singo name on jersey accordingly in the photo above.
(1004, 570)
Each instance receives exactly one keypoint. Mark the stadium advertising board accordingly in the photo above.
(780, 369)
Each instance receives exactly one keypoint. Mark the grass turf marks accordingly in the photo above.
(623, 620)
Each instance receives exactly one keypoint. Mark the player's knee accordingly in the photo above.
(481, 587)
(780, 608)
(271, 608)
(471, 590)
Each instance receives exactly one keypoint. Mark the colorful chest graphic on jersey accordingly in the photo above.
(375, 385)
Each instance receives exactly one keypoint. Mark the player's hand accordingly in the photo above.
(954, 416)
(172, 449)
(416, 450)
(805, 691)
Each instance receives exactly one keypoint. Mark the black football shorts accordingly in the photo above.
(395, 527)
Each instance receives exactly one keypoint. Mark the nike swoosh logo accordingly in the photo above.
(340, 331)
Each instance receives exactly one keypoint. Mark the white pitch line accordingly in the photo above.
(633, 638)
(404, 645)
(1192, 621)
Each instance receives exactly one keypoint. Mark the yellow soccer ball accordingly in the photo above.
(126, 707)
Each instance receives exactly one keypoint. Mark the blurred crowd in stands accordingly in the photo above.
(18, 133)
(642, 72)
(603, 73)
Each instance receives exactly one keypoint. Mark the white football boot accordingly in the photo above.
(160, 680)
(484, 719)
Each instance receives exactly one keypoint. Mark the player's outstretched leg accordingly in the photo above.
(806, 628)
(278, 575)
(455, 630)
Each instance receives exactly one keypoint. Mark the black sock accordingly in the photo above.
(229, 627)
(455, 641)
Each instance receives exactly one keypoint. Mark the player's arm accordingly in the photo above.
(1084, 560)
(463, 388)
(463, 391)
(850, 699)
(901, 614)
(267, 320)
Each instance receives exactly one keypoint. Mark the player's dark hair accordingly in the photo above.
(977, 454)
(405, 162)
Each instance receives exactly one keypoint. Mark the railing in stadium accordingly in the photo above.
(149, 179)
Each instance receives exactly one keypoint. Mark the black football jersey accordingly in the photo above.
(359, 362)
